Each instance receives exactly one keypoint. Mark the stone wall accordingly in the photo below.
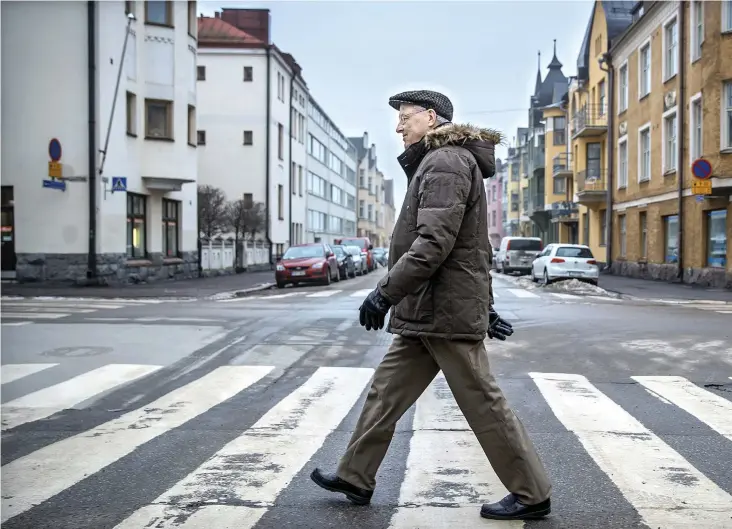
(706, 277)
(112, 269)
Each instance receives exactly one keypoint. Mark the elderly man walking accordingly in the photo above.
(438, 289)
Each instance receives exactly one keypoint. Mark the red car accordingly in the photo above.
(307, 263)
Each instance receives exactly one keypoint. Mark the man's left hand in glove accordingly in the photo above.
(373, 310)
(498, 327)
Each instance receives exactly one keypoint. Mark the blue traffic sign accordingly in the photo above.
(119, 183)
(54, 150)
(701, 168)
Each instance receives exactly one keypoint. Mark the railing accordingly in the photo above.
(591, 180)
(562, 163)
(537, 161)
(564, 209)
(589, 116)
(536, 202)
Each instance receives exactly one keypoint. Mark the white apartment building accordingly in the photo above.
(252, 124)
(61, 219)
(331, 180)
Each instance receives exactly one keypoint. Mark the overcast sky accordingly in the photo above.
(483, 55)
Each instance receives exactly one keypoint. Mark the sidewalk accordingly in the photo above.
(647, 289)
(185, 288)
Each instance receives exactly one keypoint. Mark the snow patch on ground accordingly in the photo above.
(575, 286)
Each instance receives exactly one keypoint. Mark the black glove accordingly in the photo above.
(373, 310)
(498, 327)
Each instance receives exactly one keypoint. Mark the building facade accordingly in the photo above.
(65, 216)
(371, 221)
(673, 106)
(389, 210)
(252, 126)
(512, 194)
(494, 198)
(331, 180)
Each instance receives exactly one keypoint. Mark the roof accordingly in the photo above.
(216, 32)
(618, 16)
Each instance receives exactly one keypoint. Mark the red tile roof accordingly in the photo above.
(216, 32)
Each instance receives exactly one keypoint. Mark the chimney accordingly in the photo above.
(365, 140)
(256, 22)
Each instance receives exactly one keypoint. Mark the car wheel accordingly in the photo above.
(280, 284)
(533, 276)
(546, 277)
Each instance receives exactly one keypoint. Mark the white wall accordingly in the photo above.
(44, 95)
(279, 167)
(298, 195)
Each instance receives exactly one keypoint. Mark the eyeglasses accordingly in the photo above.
(404, 119)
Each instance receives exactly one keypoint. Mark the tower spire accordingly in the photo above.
(555, 64)
(537, 87)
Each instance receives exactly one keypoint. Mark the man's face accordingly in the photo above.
(414, 122)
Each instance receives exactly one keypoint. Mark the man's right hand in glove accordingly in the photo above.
(498, 327)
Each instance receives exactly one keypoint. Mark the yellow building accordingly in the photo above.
(672, 99)
(512, 211)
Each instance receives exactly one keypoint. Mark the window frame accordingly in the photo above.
(131, 217)
(708, 217)
(695, 48)
(671, 113)
(726, 117)
(666, 73)
(645, 44)
(696, 151)
(165, 222)
(726, 8)
(169, 108)
(643, 128)
(666, 219)
(623, 142)
(192, 131)
(623, 90)
(131, 108)
(169, 14)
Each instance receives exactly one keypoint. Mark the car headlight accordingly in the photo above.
(318, 266)
(280, 268)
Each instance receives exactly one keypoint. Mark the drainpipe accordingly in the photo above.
(289, 186)
(269, 162)
(91, 265)
(606, 64)
(680, 106)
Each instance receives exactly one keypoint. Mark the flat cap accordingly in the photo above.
(436, 101)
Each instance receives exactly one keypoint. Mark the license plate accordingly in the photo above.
(298, 273)
(574, 274)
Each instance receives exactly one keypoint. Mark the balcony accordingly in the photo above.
(589, 121)
(591, 187)
(562, 165)
(536, 203)
(537, 160)
(565, 212)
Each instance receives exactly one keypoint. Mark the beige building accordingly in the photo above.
(371, 193)
(389, 210)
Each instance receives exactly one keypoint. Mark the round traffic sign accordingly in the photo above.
(54, 150)
(701, 168)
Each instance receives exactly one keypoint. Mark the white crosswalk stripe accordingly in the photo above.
(446, 473)
(51, 309)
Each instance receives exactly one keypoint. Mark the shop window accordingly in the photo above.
(171, 222)
(717, 238)
(671, 239)
(136, 220)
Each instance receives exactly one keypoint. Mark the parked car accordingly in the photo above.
(307, 263)
(345, 262)
(364, 243)
(517, 253)
(380, 256)
(565, 261)
(359, 259)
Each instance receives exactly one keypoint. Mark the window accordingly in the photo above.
(560, 130)
(727, 115)
(129, 7)
(717, 238)
(361, 209)
(671, 239)
(669, 141)
(601, 97)
(560, 186)
(248, 200)
(248, 74)
(623, 162)
(280, 201)
(200, 73)
(623, 88)
(136, 216)
(192, 20)
(586, 229)
(493, 218)
(622, 234)
(248, 137)
(697, 29)
(644, 153)
(293, 178)
(670, 48)
(644, 70)
(158, 119)
(726, 15)
(695, 124)
(299, 180)
(192, 125)
(643, 226)
(171, 221)
(201, 137)
(131, 114)
(159, 13)
(280, 141)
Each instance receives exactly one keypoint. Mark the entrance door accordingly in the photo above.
(7, 236)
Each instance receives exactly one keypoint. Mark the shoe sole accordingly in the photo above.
(531, 516)
(358, 500)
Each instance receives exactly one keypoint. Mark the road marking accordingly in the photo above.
(44, 473)
(520, 293)
(64, 305)
(362, 293)
(445, 466)
(175, 319)
(665, 489)
(711, 409)
(252, 470)
(323, 294)
(12, 372)
(16, 323)
(277, 296)
(604, 298)
(33, 315)
(47, 401)
(564, 296)
(725, 311)
(22, 309)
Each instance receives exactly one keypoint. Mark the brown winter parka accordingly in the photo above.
(440, 256)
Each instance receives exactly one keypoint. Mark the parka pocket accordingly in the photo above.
(417, 307)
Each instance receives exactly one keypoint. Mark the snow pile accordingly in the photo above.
(575, 286)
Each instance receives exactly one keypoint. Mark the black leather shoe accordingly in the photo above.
(333, 483)
(510, 508)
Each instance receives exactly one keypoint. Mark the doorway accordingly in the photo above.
(8, 259)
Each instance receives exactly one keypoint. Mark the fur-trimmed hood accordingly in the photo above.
(479, 141)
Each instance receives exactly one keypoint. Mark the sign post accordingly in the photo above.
(55, 168)
(702, 183)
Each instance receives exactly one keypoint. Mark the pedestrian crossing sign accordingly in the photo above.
(119, 183)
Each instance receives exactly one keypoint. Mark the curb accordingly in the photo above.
(240, 293)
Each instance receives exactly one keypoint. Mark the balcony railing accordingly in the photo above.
(537, 159)
(562, 165)
(591, 185)
(565, 211)
(590, 120)
(536, 202)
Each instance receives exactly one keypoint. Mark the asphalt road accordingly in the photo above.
(212, 413)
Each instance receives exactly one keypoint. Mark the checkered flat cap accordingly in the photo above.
(428, 99)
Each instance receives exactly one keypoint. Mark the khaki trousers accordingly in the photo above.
(405, 372)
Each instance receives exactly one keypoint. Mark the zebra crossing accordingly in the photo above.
(445, 478)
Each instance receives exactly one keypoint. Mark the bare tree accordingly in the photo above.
(211, 210)
(244, 218)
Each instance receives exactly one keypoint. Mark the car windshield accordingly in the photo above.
(303, 252)
(338, 251)
(569, 251)
(528, 245)
(353, 242)
(354, 250)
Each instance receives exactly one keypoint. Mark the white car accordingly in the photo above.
(359, 259)
(565, 261)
